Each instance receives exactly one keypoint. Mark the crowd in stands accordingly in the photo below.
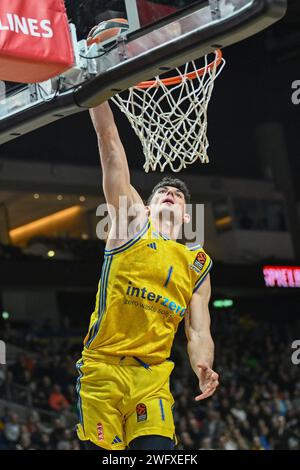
(72, 249)
(44, 380)
(257, 405)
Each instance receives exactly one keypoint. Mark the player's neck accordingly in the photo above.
(167, 228)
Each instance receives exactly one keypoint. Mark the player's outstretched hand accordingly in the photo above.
(208, 381)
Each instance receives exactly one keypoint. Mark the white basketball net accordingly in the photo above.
(171, 121)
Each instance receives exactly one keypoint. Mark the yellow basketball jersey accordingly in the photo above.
(144, 291)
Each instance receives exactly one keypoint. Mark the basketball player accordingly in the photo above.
(149, 283)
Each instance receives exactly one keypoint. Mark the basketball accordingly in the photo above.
(107, 30)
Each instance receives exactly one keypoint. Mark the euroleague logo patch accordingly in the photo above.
(141, 412)
(199, 261)
(100, 432)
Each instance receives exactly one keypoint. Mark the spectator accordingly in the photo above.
(206, 444)
(44, 442)
(57, 401)
(25, 442)
(12, 431)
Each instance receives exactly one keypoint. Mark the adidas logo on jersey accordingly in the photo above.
(153, 246)
(116, 440)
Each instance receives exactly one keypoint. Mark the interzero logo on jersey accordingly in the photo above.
(28, 26)
(153, 297)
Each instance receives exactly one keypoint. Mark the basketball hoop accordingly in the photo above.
(169, 115)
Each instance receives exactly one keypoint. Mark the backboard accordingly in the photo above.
(163, 35)
(143, 13)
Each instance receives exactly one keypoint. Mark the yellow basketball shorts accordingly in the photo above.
(119, 402)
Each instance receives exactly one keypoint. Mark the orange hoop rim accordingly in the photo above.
(178, 78)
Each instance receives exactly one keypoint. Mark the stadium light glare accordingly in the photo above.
(58, 220)
(224, 221)
(5, 315)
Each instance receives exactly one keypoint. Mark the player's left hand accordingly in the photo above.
(208, 381)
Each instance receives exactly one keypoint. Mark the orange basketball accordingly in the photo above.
(107, 30)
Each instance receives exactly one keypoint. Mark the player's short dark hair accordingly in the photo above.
(175, 183)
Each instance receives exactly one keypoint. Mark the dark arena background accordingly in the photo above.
(51, 257)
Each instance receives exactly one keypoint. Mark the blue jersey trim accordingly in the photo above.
(78, 388)
(92, 329)
(162, 411)
(194, 247)
(169, 276)
(131, 242)
(102, 300)
(203, 276)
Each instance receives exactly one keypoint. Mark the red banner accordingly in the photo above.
(35, 40)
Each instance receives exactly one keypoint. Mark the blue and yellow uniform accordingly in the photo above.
(144, 292)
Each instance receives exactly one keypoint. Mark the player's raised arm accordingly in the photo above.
(116, 177)
(200, 342)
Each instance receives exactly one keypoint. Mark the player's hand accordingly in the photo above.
(208, 381)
